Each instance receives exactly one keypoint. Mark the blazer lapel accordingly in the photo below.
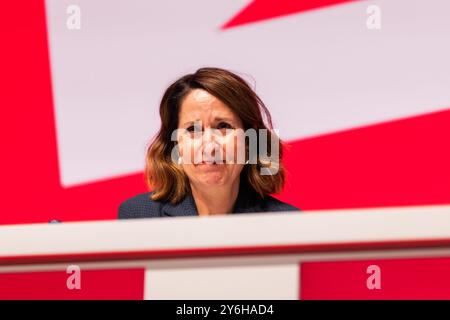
(185, 207)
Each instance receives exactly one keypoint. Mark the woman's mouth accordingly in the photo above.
(207, 163)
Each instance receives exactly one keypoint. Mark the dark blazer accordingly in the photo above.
(141, 206)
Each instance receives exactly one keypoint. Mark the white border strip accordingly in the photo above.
(316, 228)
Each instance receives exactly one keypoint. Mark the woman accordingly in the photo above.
(200, 162)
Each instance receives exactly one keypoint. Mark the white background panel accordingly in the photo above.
(318, 72)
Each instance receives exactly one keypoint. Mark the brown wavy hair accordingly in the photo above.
(166, 178)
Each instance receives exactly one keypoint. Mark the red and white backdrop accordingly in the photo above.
(366, 112)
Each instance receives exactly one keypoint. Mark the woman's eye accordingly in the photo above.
(194, 128)
(224, 125)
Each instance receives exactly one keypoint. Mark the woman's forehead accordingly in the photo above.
(200, 104)
(199, 96)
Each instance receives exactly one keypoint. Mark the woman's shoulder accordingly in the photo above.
(140, 206)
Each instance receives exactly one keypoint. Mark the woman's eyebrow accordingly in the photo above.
(191, 122)
(216, 119)
(223, 119)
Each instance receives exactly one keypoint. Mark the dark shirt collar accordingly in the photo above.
(246, 202)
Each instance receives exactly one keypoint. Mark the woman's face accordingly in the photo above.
(210, 138)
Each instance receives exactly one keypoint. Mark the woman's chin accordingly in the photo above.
(211, 179)
(212, 182)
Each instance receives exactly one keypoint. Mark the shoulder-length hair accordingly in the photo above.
(167, 179)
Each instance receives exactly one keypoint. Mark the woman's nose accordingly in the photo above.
(209, 135)
(210, 141)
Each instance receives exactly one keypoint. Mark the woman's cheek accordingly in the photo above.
(230, 147)
(192, 147)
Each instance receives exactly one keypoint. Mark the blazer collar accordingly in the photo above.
(246, 202)
(185, 207)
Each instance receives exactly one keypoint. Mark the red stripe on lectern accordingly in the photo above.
(425, 278)
(224, 251)
(125, 284)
